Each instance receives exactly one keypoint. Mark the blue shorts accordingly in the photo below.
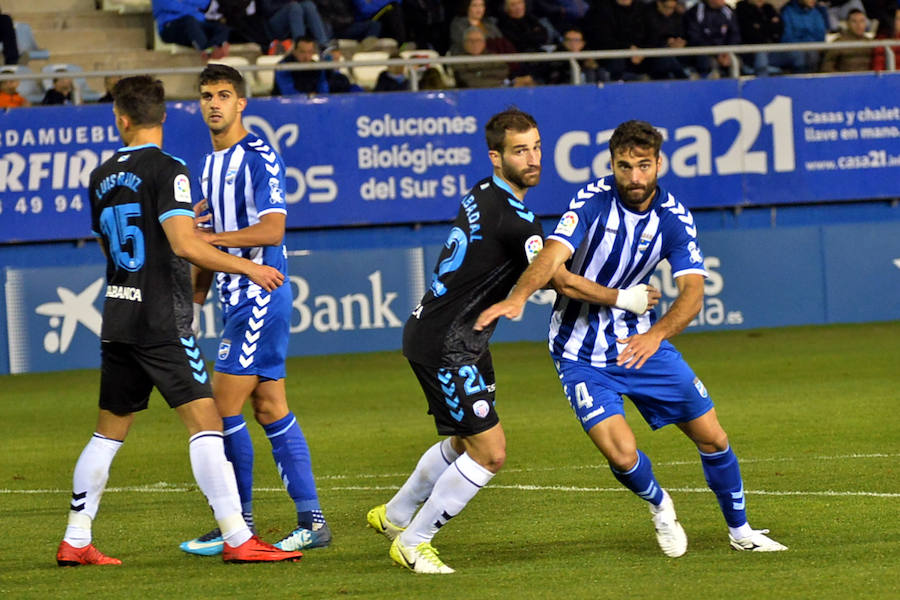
(256, 336)
(665, 390)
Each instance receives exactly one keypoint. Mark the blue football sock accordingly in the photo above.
(723, 475)
(292, 459)
(239, 452)
(640, 480)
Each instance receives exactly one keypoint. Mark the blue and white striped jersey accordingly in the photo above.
(617, 248)
(242, 183)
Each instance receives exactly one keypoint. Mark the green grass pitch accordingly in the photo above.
(812, 413)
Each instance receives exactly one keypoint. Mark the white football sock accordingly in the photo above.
(215, 476)
(452, 491)
(88, 483)
(401, 508)
(741, 532)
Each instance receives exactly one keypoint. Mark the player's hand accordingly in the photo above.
(638, 298)
(638, 348)
(202, 216)
(266, 277)
(506, 308)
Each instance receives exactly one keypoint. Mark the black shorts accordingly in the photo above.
(461, 399)
(129, 372)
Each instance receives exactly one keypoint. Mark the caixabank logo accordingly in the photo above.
(53, 317)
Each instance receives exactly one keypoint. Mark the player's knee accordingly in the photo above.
(716, 443)
(495, 461)
(492, 461)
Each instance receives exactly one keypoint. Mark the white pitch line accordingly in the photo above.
(164, 487)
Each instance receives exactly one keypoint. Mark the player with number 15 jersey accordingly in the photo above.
(148, 296)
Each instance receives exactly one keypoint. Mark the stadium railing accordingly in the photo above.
(572, 57)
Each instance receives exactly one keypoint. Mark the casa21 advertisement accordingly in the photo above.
(360, 159)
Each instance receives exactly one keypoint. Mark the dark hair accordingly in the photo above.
(635, 134)
(214, 73)
(142, 98)
(431, 80)
(307, 39)
(510, 119)
(853, 11)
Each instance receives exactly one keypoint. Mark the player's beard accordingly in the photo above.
(523, 179)
(631, 198)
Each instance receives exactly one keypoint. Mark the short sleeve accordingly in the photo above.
(174, 194)
(267, 173)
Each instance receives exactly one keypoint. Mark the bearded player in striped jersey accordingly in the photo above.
(606, 340)
(243, 184)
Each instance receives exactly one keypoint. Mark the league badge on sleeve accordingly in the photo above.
(701, 389)
(567, 223)
(182, 188)
(533, 245)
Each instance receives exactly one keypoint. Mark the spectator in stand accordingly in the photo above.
(616, 25)
(561, 73)
(182, 22)
(319, 81)
(526, 33)
(850, 59)
(472, 14)
(8, 39)
(427, 24)
(839, 11)
(485, 74)
(432, 79)
(109, 82)
(803, 21)
(60, 93)
(292, 19)
(9, 94)
(341, 22)
(387, 12)
(562, 14)
(245, 22)
(879, 60)
(711, 23)
(663, 28)
(392, 79)
(522, 29)
(759, 23)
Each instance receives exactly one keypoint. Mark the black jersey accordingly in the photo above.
(148, 292)
(493, 239)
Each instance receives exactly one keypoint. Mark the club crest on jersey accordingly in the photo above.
(224, 349)
(696, 256)
(533, 245)
(481, 409)
(182, 188)
(701, 389)
(275, 193)
(230, 175)
(567, 223)
(645, 242)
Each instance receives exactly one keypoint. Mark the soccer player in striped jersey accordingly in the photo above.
(606, 340)
(140, 213)
(242, 185)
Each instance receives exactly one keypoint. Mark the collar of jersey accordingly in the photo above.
(133, 148)
(504, 186)
(659, 194)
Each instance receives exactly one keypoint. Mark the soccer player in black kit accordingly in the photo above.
(141, 212)
(492, 241)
